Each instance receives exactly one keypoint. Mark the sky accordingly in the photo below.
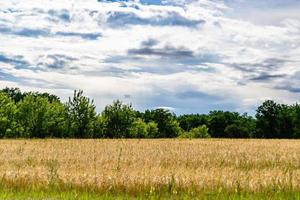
(189, 56)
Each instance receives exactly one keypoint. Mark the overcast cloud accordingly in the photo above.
(186, 55)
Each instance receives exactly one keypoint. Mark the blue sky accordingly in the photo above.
(185, 55)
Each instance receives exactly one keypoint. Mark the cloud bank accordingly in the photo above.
(187, 55)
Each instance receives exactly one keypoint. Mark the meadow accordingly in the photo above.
(154, 169)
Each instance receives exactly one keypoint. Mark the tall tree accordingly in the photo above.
(168, 126)
(81, 116)
(32, 116)
(7, 115)
(56, 120)
(14, 93)
(219, 120)
(188, 122)
(296, 120)
(119, 119)
(267, 120)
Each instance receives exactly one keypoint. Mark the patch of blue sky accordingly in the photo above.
(151, 2)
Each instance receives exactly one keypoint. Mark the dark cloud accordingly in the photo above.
(193, 94)
(60, 15)
(149, 43)
(264, 71)
(267, 77)
(49, 62)
(289, 88)
(17, 61)
(88, 36)
(165, 60)
(10, 10)
(273, 63)
(119, 19)
(266, 65)
(114, 72)
(33, 82)
(160, 66)
(290, 83)
(28, 32)
(167, 51)
(127, 96)
(56, 61)
(179, 55)
(170, 55)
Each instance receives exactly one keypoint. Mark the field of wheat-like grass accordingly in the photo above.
(150, 166)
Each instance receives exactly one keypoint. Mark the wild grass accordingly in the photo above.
(148, 168)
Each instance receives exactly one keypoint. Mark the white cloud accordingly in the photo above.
(222, 61)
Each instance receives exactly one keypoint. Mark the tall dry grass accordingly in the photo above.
(135, 166)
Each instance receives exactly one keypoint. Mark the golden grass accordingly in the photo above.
(148, 165)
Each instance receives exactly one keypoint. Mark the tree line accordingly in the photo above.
(43, 115)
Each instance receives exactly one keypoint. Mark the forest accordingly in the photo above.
(43, 115)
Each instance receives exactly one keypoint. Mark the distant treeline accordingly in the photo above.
(43, 115)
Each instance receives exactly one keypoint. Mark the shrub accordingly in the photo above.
(199, 132)
(139, 129)
(167, 124)
(237, 131)
(152, 130)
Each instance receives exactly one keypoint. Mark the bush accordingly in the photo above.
(237, 131)
(199, 132)
(167, 124)
(152, 130)
(139, 129)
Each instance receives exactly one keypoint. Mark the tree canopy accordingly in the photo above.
(42, 115)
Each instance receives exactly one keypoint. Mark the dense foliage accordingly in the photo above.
(41, 115)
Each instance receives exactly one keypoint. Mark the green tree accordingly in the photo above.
(14, 93)
(119, 119)
(296, 120)
(219, 120)
(237, 131)
(285, 119)
(55, 120)
(7, 116)
(168, 126)
(152, 130)
(99, 129)
(32, 116)
(139, 129)
(81, 116)
(187, 122)
(198, 132)
(51, 97)
(267, 120)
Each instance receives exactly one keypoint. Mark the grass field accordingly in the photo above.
(154, 169)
